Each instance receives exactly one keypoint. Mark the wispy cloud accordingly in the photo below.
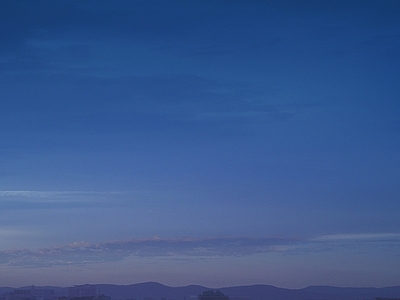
(23, 199)
(85, 252)
(25, 193)
(79, 253)
(50, 196)
(360, 237)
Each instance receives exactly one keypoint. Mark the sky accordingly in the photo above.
(204, 142)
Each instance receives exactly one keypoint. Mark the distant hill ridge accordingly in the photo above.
(157, 291)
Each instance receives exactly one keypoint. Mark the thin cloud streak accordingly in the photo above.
(360, 237)
(85, 252)
(81, 253)
(27, 200)
(50, 196)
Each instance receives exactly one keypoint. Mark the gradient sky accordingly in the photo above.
(200, 142)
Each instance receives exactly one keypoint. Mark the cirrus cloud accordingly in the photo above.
(82, 253)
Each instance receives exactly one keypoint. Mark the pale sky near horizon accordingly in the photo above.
(200, 142)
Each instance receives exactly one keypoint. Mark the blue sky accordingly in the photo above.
(200, 142)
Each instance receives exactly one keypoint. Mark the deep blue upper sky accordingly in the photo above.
(256, 140)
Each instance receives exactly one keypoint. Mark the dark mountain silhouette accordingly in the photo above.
(152, 290)
(359, 293)
(59, 291)
(157, 291)
(5, 290)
